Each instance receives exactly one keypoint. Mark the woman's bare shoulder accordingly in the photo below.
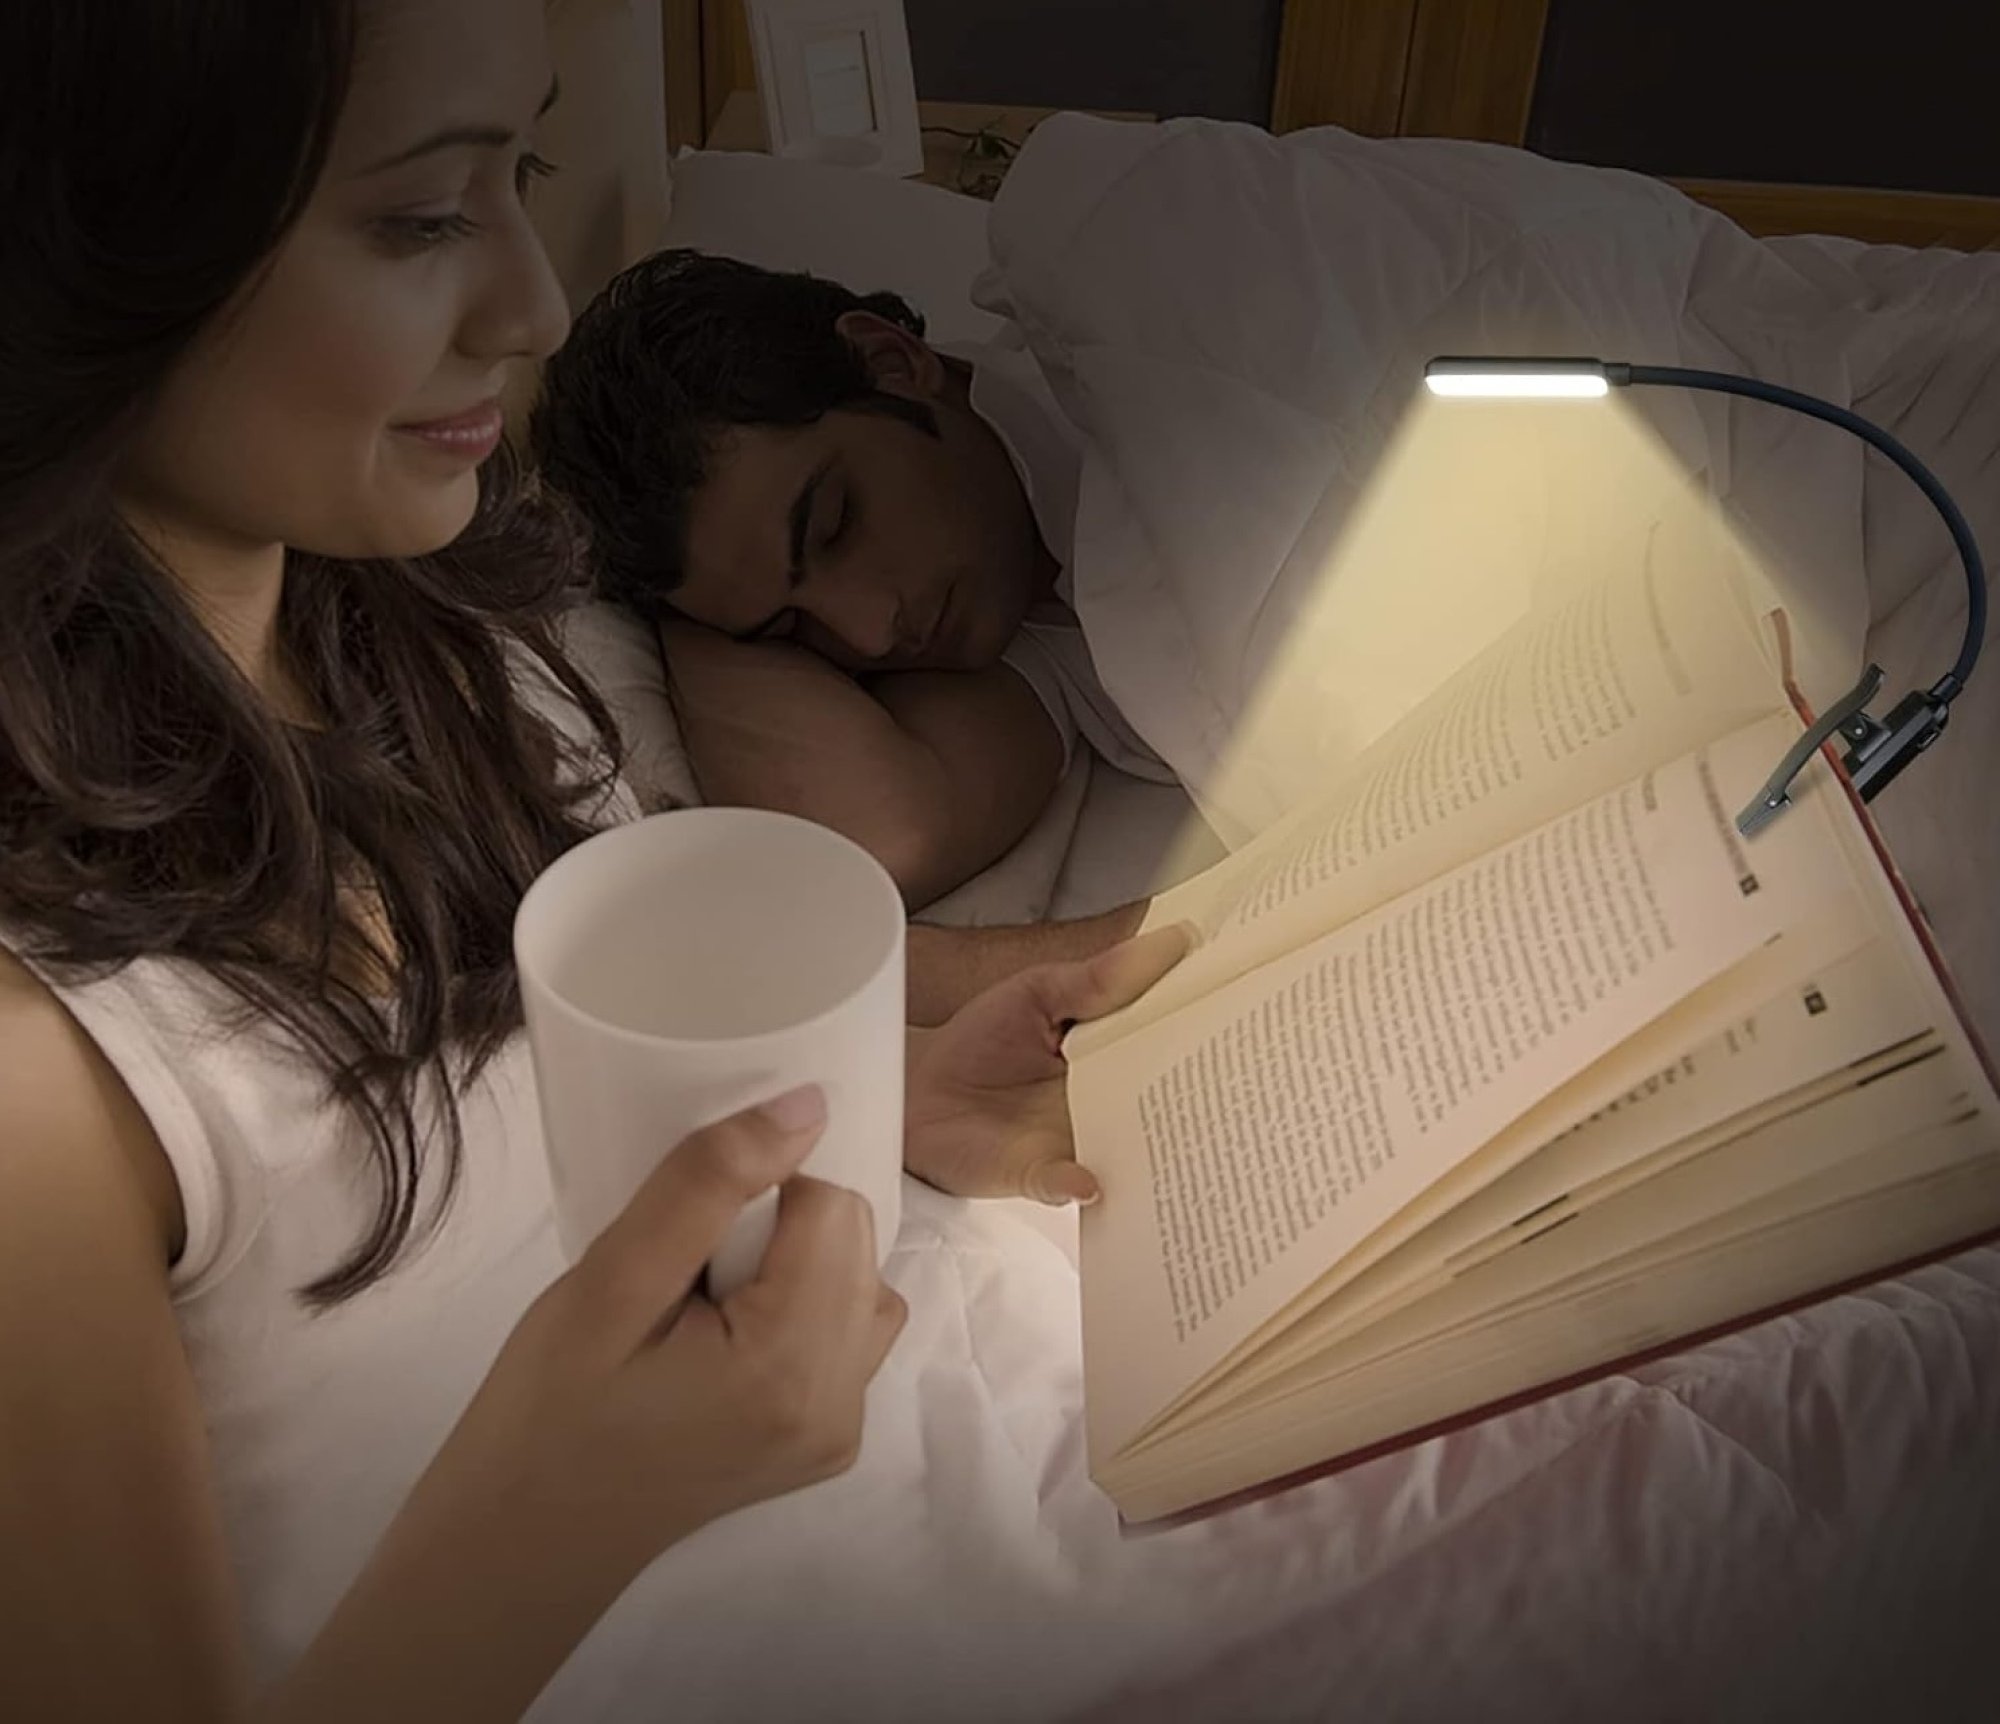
(71, 1126)
(105, 1488)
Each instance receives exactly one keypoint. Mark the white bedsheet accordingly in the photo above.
(1805, 1505)
(1759, 1528)
(1763, 1528)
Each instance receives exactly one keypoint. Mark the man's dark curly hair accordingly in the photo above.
(678, 349)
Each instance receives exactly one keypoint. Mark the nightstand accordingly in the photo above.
(968, 146)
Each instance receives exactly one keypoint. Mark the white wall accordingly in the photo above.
(608, 205)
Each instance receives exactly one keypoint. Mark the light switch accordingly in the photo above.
(837, 86)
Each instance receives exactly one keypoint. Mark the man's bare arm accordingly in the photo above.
(936, 774)
(949, 966)
(994, 760)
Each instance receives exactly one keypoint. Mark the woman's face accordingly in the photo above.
(344, 403)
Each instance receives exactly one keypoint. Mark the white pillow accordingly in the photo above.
(621, 657)
(865, 230)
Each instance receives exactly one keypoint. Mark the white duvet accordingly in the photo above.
(1238, 325)
(1787, 1523)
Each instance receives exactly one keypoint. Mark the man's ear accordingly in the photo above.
(900, 363)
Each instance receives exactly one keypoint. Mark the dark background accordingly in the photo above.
(1793, 91)
(1806, 91)
(1213, 57)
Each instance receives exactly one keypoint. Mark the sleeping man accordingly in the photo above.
(855, 547)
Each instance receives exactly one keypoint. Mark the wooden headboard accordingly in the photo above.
(1469, 68)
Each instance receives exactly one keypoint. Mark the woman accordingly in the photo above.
(284, 735)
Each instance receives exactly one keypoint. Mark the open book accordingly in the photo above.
(1509, 1061)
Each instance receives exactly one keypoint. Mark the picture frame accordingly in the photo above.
(836, 83)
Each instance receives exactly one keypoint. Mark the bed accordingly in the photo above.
(1790, 1522)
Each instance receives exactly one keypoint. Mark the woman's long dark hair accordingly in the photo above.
(152, 155)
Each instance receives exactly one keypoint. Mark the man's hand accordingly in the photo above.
(987, 1114)
(936, 774)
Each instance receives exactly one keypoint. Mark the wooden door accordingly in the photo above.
(708, 58)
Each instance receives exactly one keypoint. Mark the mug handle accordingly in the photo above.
(741, 1252)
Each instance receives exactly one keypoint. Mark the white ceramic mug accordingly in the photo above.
(683, 967)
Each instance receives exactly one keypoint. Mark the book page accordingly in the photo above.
(1834, 1026)
(1622, 676)
(1912, 1194)
(1868, 1019)
(1251, 1141)
(1650, 1222)
(1832, 1151)
(1855, 1016)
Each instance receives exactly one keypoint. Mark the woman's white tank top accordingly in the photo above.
(319, 1424)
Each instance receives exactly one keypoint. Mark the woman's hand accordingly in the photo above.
(986, 1113)
(624, 1411)
(626, 1404)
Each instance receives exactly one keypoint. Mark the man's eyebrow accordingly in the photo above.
(453, 137)
(798, 525)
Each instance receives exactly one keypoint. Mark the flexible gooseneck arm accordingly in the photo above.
(1947, 688)
(1878, 749)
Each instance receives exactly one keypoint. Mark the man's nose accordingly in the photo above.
(869, 624)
